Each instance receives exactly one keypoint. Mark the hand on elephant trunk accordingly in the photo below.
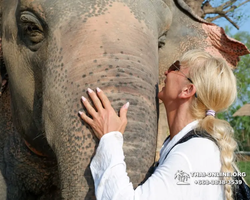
(104, 118)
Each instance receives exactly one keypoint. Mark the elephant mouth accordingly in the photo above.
(35, 151)
(4, 84)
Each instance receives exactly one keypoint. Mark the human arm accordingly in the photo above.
(112, 182)
(108, 167)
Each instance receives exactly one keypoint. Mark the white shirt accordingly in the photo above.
(198, 155)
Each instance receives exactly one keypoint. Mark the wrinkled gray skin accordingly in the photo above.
(53, 51)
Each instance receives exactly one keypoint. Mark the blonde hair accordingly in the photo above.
(216, 90)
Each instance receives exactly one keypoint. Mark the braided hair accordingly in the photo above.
(216, 90)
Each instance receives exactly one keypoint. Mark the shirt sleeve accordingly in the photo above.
(112, 182)
(109, 169)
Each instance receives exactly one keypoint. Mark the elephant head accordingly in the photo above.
(53, 51)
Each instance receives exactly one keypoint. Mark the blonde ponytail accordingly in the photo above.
(216, 90)
(223, 134)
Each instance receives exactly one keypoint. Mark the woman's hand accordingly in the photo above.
(105, 119)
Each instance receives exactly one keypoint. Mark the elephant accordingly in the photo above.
(53, 50)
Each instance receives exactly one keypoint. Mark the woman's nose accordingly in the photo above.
(166, 73)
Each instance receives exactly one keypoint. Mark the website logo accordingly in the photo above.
(182, 178)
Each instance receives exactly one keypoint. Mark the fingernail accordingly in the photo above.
(126, 105)
(83, 98)
(89, 90)
(80, 112)
(98, 89)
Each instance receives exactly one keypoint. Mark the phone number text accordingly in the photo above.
(218, 182)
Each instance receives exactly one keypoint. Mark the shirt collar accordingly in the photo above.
(168, 144)
(185, 130)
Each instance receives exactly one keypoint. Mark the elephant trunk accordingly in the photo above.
(124, 64)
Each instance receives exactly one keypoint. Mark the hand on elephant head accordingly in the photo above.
(104, 118)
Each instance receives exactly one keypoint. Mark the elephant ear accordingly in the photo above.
(217, 42)
(228, 48)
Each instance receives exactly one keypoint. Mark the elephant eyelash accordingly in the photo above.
(31, 28)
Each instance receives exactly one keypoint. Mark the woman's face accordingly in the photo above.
(176, 79)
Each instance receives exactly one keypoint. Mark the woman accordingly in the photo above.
(196, 87)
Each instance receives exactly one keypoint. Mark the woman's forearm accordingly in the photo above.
(109, 169)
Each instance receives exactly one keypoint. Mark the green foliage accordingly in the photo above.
(244, 166)
(241, 124)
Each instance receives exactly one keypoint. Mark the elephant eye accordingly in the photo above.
(31, 30)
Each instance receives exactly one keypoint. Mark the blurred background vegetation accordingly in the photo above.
(241, 124)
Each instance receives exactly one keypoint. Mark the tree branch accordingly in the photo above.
(243, 3)
(227, 4)
(210, 19)
(220, 11)
(233, 23)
